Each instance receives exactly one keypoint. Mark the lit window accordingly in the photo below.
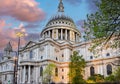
(109, 69)
(92, 71)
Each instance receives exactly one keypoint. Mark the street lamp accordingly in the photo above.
(18, 34)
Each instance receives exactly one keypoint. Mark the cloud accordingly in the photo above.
(9, 34)
(30, 26)
(91, 5)
(80, 25)
(23, 10)
(74, 2)
(32, 37)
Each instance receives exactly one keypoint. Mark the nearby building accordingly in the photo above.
(59, 39)
(7, 65)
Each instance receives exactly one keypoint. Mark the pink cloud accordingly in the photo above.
(9, 34)
(23, 10)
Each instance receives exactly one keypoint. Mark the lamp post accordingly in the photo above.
(15, 69)
(18, 34)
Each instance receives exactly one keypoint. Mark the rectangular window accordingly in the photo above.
(31, 54)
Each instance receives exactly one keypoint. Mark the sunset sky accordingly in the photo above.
(31, 16)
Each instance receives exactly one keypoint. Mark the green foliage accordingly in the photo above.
(49, 72)
(110, 78)
(97, 78)
(76, 69)
(105, 23)
(117, 74)
(114, 77)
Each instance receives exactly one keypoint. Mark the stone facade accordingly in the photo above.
(7, 65)
(58, 40)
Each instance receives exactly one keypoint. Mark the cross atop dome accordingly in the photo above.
(61, 7)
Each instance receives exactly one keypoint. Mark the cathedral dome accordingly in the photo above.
(61, 19)
(61, 27)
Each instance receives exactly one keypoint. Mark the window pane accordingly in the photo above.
(92, 71)
(109, 69)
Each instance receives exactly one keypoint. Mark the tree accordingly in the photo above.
(110, 78)
(104, 24)
(97, 78)
(49, 72)
(76, 69)
(115, 77)
(117, 74)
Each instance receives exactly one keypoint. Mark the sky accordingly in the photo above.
(31, 16)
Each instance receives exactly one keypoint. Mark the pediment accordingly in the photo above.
(30, 44)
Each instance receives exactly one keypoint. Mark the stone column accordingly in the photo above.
(24, 74)
(78, 38)
(52, 33)
(70, 35)
(56, 33)
(29, 70)
(46, 34)
(20, 75)
(65, 34)
(49, 33)
(75, 37)
(61, 34)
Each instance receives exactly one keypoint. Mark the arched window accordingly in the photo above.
(109, 69)
(56, 71)
(41, 71)
(92, 71)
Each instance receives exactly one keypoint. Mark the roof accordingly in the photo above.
(8, 47)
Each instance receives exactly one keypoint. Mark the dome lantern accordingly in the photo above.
(61, 7)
